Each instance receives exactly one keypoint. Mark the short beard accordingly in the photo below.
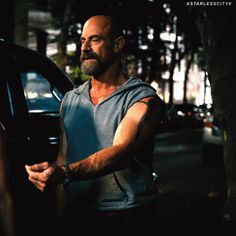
(93, 68)
(96, 67)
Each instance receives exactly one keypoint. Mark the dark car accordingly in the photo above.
(31, 88)
(181, 116)
(190, 115)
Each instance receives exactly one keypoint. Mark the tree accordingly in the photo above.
(216, 27)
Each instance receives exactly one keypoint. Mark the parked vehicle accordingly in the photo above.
(181, 116)
(189, 114)
(31, 88)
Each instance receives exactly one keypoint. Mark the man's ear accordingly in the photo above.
(119, 44)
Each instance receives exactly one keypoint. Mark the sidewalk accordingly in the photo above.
(191, 215)
(185, 208)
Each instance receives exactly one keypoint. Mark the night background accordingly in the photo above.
(187, 51)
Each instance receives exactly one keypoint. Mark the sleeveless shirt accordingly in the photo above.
(90, 128)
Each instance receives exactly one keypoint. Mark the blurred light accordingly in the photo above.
(154, 84)
(179, 38)
(167, 36)
(150, 35)
(167, 9)
(143, 47)
(47, 95)
(32, 95)
(51, 31)
(79, 26)
(166, 75)
(71, 47)
(209, 105)
(180, 113)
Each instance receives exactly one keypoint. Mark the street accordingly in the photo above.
(185, 205)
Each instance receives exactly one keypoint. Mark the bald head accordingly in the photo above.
(106, 23)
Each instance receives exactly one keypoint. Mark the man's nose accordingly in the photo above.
(86, 46)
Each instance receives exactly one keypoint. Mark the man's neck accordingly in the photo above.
(103, 87)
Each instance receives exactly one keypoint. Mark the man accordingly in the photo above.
(108, 129)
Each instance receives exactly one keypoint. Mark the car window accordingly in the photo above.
(38, 94)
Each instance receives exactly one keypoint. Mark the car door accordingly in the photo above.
(41, 80)
(31, 89)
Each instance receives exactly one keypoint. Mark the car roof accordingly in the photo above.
(26, 58)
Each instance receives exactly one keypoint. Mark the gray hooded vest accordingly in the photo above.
(90, 128)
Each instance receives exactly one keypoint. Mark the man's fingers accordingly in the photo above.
(41, 174)
(39, 167)
(38, 184)
(38, 176)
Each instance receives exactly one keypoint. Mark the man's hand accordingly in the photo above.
(44, 174)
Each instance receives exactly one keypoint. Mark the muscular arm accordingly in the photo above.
(137, 127)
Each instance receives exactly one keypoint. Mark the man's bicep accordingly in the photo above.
(139, 124)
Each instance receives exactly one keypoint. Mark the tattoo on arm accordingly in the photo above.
(146, 117)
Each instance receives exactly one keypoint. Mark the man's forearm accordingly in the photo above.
(100, 163)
